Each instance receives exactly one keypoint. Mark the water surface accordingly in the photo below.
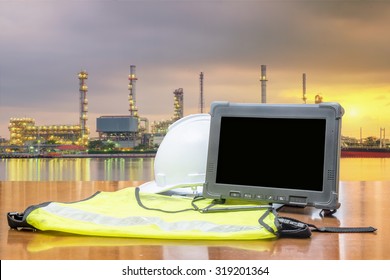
(142, 169)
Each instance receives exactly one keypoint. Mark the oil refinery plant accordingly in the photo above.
(131, 132)
(126, 131)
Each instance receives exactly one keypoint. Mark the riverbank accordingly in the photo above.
(120, 155)
(100, 155)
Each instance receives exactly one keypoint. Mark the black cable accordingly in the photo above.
(195, 208)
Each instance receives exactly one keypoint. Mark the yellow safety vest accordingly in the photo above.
(128, 213)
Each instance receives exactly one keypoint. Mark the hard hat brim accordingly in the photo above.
(152, 187)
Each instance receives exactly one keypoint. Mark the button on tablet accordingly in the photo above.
(235, 194)
(247, 195)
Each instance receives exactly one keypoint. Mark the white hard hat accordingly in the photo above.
(180, 162)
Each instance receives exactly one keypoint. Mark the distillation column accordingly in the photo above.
(263, 80)
(83, 76)
(132, 79)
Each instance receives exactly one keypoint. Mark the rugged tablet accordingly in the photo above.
(277, 153)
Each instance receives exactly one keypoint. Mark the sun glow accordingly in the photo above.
(366, 111)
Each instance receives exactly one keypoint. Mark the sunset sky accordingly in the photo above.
(342, 46)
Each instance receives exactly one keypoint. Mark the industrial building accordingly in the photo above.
(121, 129)
(24, 131)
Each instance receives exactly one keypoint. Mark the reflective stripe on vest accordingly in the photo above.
(83, 216)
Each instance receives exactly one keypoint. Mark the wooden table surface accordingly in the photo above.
(362, 204)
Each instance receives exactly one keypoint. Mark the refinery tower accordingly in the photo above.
(83, 76)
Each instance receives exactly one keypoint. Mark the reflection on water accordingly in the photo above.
(77, 169)
(365, 169)
(141, 169)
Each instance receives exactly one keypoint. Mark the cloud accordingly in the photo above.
(339, 44)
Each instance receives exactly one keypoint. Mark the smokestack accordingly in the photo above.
(263, 80)
(201, 102)
(304, 88)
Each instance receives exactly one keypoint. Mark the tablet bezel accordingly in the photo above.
(326, 199)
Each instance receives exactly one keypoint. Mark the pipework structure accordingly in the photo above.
(178, 104)
(263, 80)
(24, 132)
(83, 76)
(161, 127)
(132, 105)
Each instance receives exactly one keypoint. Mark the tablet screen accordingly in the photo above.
(272, 152)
